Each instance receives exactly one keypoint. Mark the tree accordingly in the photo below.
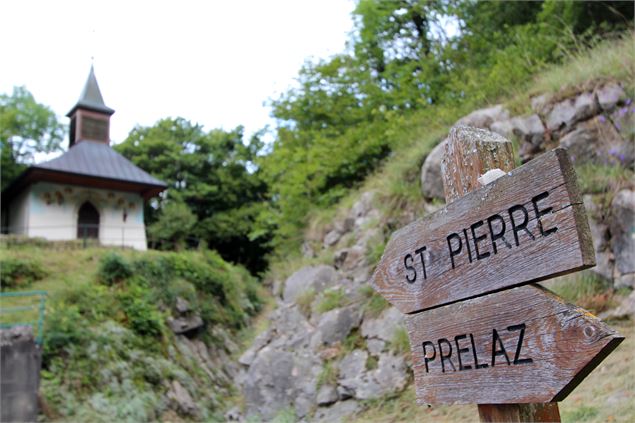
(26, 127)
(173, 226)
(214, 175)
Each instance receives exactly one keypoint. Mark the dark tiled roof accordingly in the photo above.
(91, 97)
(99, 160)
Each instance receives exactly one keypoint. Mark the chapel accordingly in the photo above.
(89, 192)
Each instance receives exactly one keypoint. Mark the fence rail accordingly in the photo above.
(23, 308)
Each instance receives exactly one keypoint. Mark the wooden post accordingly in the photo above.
(470, 153)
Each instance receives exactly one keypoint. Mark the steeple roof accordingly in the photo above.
(91, 97)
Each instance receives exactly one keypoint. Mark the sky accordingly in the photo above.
(214, 62)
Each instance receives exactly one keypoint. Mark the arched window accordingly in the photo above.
(87, 221)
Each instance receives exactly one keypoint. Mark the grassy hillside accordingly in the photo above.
(108, 352)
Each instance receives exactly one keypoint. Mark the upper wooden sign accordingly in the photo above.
(520, 345)
(524, 227)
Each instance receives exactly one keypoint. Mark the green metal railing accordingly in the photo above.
(23, 308)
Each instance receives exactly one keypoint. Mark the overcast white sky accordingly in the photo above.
(212, 62)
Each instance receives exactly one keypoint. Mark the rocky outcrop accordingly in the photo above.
(431, 181)
(316, 278)
(623, 237)
(324, 354)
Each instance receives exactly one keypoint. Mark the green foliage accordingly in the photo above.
(328, 375)
(332, 299)
(374, 303)
(26, 127)
(18, 273)
(212, 175)
(400, 342)
(585, 289)
(596, 179)
(582, 413)
(114, 269)
(141, 313)
(172, 227)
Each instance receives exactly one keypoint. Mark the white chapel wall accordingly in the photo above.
(53, 211)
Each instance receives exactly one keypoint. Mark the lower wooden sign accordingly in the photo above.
(522, 345)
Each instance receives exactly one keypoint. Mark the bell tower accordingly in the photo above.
(90, 117)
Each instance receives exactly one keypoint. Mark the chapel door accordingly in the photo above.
(87, 221)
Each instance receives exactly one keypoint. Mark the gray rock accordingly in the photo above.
(568, 112)
(317, 278)
(610, 95)
(540, 104)
(327, 395)
(384, 326)
(363, 206)
(345, 225)
(269, 385)
(353, 364)
(337, 413)
(600, 234)
(291, 330)
(280, 379)
(624, 120)
(307, 250)
(332, 237)
(529, 129)
(339, 257)
(392, 372)
(504, 128)
(233, 415)
(484, 118)
(625, 281)
(182, 306)
(335, 325)
(375, 346)
(431, 180)
(182, 325)
(625, 310)
(622, 229)
(597, 141)
(182, 400)
(390, 376)
(248, 357)
(355, 258)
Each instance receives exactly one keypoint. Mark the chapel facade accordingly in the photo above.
(89, 192)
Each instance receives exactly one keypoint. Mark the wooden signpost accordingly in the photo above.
(480, 330)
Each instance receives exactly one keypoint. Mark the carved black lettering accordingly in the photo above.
(478, 239)
(460, 351)
(476, 365)
(517, 359)
(467, 244)
(445, 357)
(542, 212)
(517, 227)
(409, 267)
(423, 261)
(495, 351)
(457, 251)
(425, 353)
(496, 236)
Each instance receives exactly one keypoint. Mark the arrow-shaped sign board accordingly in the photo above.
(516, 346)
(526, 226)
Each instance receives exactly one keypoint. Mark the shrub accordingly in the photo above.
(19, 273)
(143, 317)
(114, 269)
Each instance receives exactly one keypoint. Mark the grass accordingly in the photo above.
(374, 303)
(584, 289)
(332, 299)
(400, 342)
(597, 179)
(305, 300)
(328, 375)
(605, 60)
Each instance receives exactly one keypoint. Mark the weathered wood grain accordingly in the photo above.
(545, 188)
(520, 345)
(547, 412)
